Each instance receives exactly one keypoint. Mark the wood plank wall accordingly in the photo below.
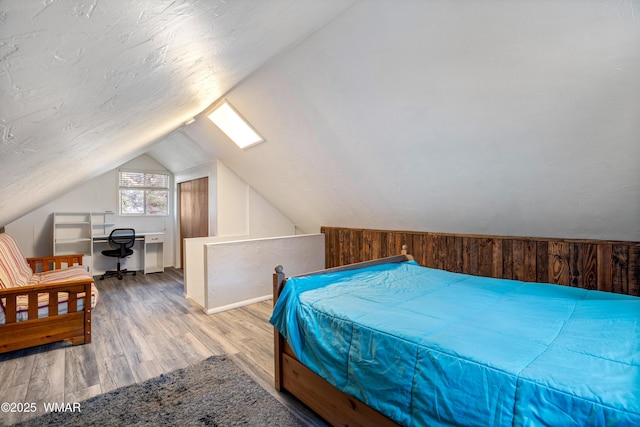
(610, 266)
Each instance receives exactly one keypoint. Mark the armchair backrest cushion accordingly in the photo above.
(14, 269)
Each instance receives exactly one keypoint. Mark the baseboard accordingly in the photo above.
(238, 304)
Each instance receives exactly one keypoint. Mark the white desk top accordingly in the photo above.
(139, 236)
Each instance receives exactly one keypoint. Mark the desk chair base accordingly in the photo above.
(119, 273)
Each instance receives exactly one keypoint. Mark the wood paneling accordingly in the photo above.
(590, 264)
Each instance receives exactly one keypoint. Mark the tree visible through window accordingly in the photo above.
(143, 193)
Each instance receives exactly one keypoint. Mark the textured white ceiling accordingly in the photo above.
(492, 117)
(86, 85)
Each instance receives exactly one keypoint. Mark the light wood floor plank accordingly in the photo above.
(81, 368)
(47, 376)
(80, 395)
(12, 394)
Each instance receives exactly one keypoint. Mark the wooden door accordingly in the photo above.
(194, 210)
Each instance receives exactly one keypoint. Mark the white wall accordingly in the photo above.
(264, 218)
(243, 211)
(240, 273)
(233, 203)
(34, 231)
(241, 214)
(195, 270)
(236, 211)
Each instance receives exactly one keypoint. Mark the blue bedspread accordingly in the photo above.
(427, 347)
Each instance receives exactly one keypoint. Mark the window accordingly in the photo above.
(143, 193)
(234, 126)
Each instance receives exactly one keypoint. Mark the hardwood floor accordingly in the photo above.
(142, 327)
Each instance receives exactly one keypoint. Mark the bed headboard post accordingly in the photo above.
(278, 281)
(278, 339)
(405, 252)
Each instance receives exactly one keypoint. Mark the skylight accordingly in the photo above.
(234, 126)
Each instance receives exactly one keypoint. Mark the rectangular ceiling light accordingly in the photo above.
(234, 126)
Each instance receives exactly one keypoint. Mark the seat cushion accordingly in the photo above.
(14, 269)
(76, 272)
(116, 253)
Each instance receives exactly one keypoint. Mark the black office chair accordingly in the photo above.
(121, 240)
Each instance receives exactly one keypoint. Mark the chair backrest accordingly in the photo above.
(123, 239)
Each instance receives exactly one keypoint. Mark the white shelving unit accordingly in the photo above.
(73, 233)
(101, 223)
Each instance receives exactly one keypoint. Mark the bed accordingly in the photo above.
(390, 342)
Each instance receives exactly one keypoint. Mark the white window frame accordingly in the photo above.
(145, 189)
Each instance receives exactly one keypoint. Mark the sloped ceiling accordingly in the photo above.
(492, 117)
(86, 85)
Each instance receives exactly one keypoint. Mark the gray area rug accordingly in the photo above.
(214, 392)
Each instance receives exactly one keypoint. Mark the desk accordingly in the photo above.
(152, 250)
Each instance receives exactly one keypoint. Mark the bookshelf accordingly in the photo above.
(73, 232)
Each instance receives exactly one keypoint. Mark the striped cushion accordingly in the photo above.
(76, 272)
(14, 269)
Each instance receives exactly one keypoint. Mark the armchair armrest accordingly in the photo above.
(55, 262)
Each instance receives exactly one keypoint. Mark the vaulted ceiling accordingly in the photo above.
(498, 117)
(86, 85)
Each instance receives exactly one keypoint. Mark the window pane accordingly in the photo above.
(157, 201)
(137, 194)
(132, 179)
(156, 180)
(132, 201)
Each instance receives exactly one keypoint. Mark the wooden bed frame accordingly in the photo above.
(327, 401)
(74, 326)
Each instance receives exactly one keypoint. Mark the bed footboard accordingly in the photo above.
(75, 325)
